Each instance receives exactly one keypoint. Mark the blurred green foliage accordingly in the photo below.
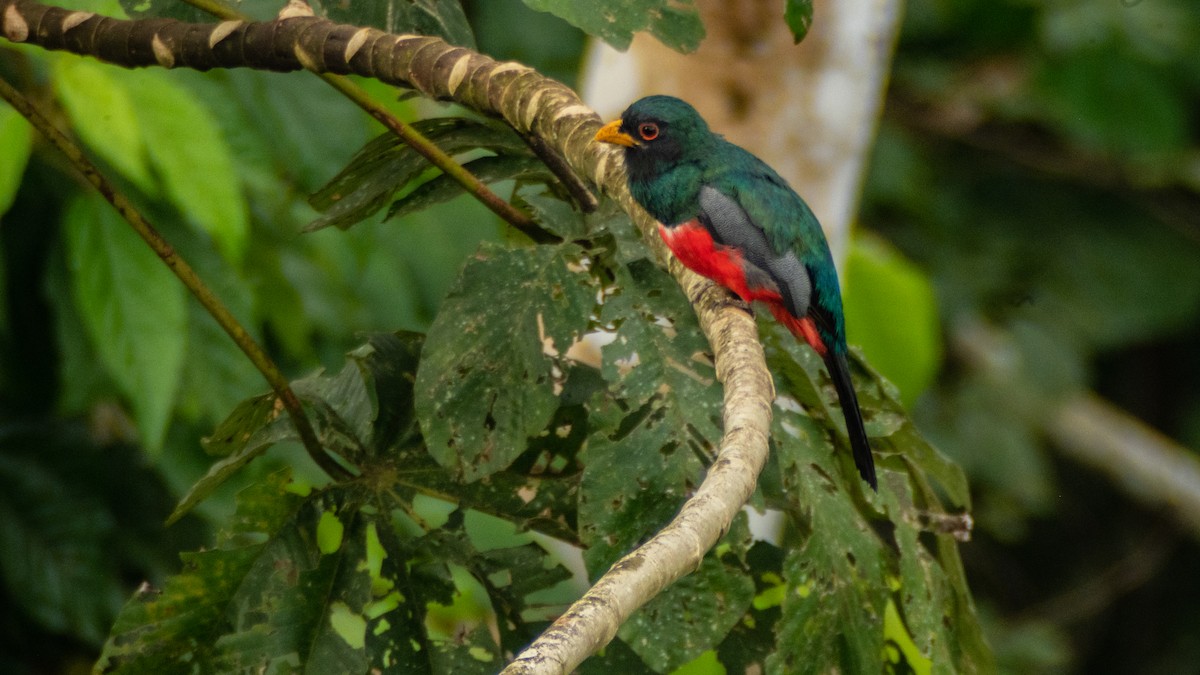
(1039, 162)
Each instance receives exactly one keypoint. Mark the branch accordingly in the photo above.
(186, 275)
(1144, 463)
(406, 133)
(1141, 461)
(533, 105)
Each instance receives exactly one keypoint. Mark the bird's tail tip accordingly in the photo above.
(839, 371)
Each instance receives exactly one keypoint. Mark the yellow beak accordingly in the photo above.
(611, 133)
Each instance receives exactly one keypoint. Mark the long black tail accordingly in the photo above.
(839, 371)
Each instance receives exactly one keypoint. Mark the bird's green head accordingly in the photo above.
(658, 131)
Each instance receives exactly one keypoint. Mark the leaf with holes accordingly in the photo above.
(320, 580)
(487, 379)
(694, 614)
(860, 584)
(659, 349)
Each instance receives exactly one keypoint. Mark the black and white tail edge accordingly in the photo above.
(839, 371)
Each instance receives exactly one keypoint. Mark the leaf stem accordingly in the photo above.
(587, 201)
(184, 272)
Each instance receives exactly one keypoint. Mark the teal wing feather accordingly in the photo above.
(789, 225)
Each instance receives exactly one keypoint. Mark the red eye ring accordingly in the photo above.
(648, 131)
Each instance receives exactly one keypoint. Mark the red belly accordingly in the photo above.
(695, 248)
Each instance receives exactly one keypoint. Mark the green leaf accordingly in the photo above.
(752, 639)
(659, 349)
(676, 23)
(191, 157)
(386, 164)
(553, 214)
(270, 596)
(1108, 101)
(848, 564)
(133, 308)
(86, 87)
(217, 375)
(366, 409)
(514, 574)
(442, 18)
(487, 169)
(799, 16)
(803, 385)
(16, 137)
(638, 470)
(891, 313)
(511, 30)
(544, 504)
(641, 465)
(250, 429)
(486, 380)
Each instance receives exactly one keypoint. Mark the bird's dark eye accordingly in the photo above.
(648, 131)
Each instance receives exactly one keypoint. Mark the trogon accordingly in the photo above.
(728, 216)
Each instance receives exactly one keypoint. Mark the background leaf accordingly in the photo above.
(191, 158)
(891, 313)
(133, 308)
(69, 524)
(84, 87)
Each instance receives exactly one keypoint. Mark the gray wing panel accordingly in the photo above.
(730, 225)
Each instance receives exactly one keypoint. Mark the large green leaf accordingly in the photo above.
(674, 22)
(658, 347)
(658, 368)
(192, 159)
(133, 308)
(85, 87)
(862, 574)
(487, 379)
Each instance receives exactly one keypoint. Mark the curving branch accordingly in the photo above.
(535, 106)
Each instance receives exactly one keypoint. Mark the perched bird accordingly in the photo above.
(728, 216)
